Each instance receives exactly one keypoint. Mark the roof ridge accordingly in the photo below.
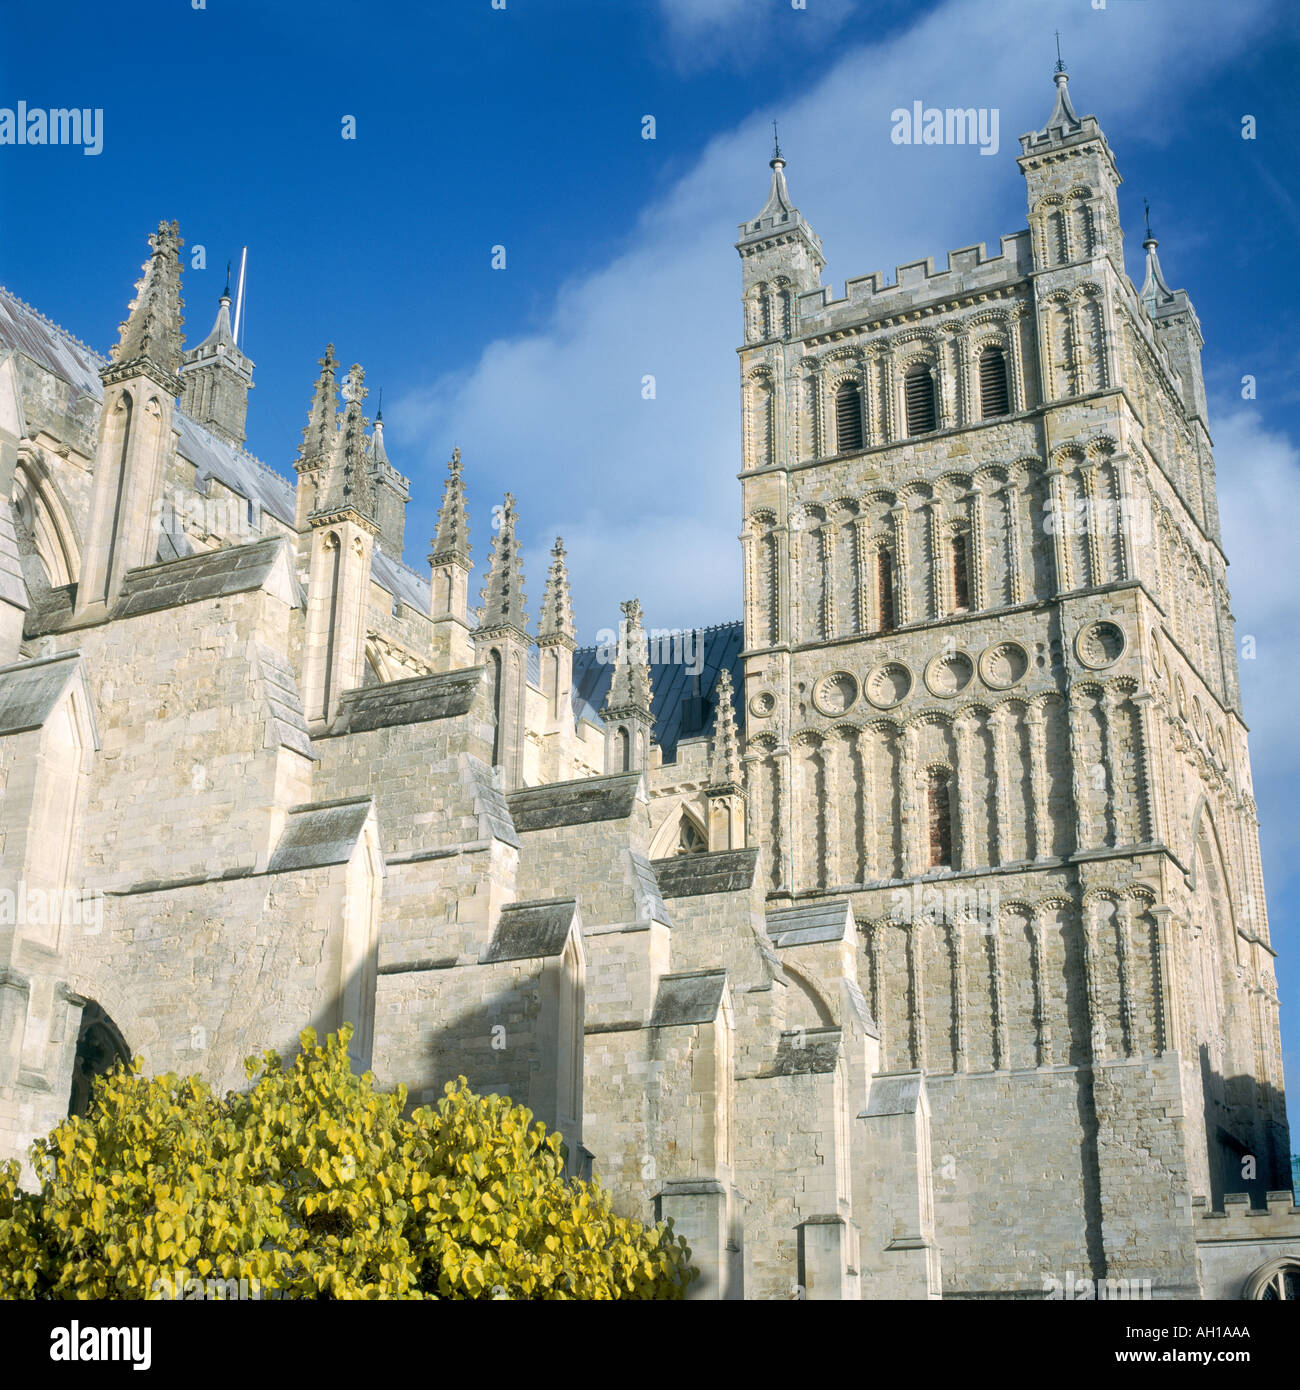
(709, 627)
(58, 327)
(97, 356)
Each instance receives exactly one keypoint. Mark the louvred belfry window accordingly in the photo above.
(994, 398)
(918, 399)
(848, 418)
(939, 809)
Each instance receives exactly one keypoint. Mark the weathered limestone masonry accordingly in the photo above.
(991, 689)
(905, 940)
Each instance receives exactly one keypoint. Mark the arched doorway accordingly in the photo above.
(100, 1047)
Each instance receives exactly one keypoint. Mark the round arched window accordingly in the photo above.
(1275, 1282)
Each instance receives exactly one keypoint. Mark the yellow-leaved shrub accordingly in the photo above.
(312, 1184)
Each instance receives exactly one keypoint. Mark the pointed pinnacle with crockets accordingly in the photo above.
(151, 334)
(555, 622)
(629, 691)
(503, 597)
(319, 437)
(348, 486)
(451, 544)
(724, 762)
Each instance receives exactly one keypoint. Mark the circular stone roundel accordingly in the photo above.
(888, 684)
(762, 704)
(1003, 665)
(836, 693)
(1100, 644)
(949, 675)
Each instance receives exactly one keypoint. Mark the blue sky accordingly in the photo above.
(522, 127)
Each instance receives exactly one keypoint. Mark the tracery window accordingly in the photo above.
(690, 838)
(1275, 1283)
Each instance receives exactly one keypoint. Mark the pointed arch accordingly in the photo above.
(100, 1048)
(46, 532)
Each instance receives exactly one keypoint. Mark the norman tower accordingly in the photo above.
(991, 697)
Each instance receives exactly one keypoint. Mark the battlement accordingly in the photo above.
(1238, 1220)
(390, 477)
(970, 270)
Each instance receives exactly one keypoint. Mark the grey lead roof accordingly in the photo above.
(29, 332)
(681, 707)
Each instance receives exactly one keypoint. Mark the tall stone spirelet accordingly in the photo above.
(453, 644)
(725, 789)
(501, 644)
(556, 642)
(628, 721)
(342, 529)
(141, 384)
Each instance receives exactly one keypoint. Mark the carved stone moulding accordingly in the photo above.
(1100, 644)
(1003, 665)
(836, 693)
(889, 684)
(762, 704)
(949, 674)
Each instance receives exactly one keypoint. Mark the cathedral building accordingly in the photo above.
(903, 939)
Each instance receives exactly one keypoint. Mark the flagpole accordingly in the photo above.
(239, 295)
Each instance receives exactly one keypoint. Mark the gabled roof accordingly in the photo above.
(29, 690)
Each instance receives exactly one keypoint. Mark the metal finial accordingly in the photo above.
(1146, 208)
(1060, 63)
(379, 414)
(776, 143)
(225, 294)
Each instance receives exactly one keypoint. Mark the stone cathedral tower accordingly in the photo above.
(991, 697)
(904, 940)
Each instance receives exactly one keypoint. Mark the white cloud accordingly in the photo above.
(690, 16)
(644, 491)
(731, 33)
(1259, 499)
